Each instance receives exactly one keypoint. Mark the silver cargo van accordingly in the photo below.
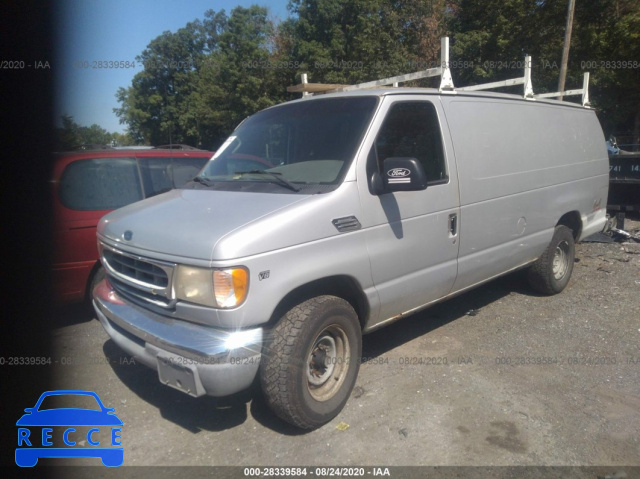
(358, 208)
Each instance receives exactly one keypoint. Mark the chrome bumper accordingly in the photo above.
(192, 358)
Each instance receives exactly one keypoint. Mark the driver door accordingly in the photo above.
(411, 236)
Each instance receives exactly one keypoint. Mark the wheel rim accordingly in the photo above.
(327, 363)
(561, 260)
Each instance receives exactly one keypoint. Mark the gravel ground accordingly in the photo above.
(499, 376)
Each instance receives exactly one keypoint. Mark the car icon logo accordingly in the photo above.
(83, 429)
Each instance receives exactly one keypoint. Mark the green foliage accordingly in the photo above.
(608, 36)
(201, 81)
(156, 106)
(362, 40)
(605, 32)
(494, 36)
(68, 137)
(236, 79)
(72, 136)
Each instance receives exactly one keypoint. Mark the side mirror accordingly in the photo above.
(403, 174)
(376, 185)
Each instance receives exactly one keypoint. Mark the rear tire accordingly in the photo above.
(310, 362)
(550, 274)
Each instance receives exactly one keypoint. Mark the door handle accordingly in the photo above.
(453, 224)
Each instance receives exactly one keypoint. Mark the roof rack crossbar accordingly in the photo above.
(431, 72)
(524, 80)
(443, 71)
(495, 84)
(584, 91)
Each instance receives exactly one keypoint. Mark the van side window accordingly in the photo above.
(411, 129)
(100, 184)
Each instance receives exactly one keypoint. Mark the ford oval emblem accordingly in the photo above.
(128, 235)
(398, 173)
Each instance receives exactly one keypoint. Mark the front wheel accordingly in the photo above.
(311, 361)
(550, 274)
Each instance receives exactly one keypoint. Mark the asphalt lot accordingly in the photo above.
(497, 377)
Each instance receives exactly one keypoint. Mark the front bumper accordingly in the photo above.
(192, 358)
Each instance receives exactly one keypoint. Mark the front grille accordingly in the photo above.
(137, 269)
(144, 279)
(138, 295)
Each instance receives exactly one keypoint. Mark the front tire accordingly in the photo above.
(311, 361)
(550, 274)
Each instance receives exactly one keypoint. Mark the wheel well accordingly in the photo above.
(573, 221)
(342, 286)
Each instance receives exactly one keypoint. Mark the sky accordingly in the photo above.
(117, 30)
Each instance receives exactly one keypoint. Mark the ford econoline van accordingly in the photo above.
(378, 203)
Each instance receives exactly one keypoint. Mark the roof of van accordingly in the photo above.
(436, 92)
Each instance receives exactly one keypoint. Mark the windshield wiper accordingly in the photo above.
(277, 176)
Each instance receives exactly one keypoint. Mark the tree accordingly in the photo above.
(239, 77)
(608, 45)
(72, 136)
(122, 139)
(68, 137)
(200, 82)
(492, 38)
(351, 42)
(155, 104)
(95, 135)
(498, 33)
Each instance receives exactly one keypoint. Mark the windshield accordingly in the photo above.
(297, 147)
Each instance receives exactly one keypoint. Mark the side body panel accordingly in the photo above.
(522, 166)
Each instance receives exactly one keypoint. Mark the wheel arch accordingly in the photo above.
(573, 221)
(341, 286)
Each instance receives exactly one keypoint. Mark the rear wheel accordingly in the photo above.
(550, 274)
(311, 361)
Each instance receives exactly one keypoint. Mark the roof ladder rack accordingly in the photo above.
(584, 91)
(524, 80)
(446, 81)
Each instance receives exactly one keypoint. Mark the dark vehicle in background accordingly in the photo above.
(88, 184)
(624, 177)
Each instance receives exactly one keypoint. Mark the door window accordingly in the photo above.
(411, 129)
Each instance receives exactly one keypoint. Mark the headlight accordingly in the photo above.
(219, 288)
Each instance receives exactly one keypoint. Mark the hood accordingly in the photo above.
(189, 223)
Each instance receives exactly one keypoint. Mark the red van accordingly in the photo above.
(87, 185)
